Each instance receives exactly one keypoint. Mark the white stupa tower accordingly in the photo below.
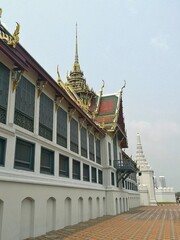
(145, 177)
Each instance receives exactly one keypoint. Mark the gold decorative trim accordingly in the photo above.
(90, 129)
(40, 86)
(16, 75)
(99, 98)
(118, 103)
(58, 100)
(97, 135)
(81, 122)
(11, 40)
(71, 112)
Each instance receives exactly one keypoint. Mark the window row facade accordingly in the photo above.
(115, 156)
(24, 116)
(25, 160)
(130, 185)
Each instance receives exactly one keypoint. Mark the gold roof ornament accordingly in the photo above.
(118, 104)
(99, 98)
(121, 90)
(59, 81)
(10, 40)
(0, 12)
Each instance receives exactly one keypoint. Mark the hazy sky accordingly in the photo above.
(138, 41)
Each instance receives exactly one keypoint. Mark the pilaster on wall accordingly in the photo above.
(104, 152)
(36, 113)
(11, 103)
(111, 203)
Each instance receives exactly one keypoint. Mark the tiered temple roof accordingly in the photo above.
(105, 110)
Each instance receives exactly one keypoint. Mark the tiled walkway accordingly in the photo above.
(143, 223)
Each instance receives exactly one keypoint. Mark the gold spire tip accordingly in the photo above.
(59, 78)
(76, 53)
(121, 90)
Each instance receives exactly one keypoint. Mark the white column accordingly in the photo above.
(36, 112)
(56, 164)
(37, 160)
(68, 132)
(70, 167)
(81, 170)
(11, 103)
(54, 125)
(79, 139)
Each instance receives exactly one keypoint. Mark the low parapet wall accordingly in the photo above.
(165, 194)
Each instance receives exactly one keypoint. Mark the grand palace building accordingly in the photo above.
(62, 158)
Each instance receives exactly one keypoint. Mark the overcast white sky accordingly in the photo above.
(138, 41)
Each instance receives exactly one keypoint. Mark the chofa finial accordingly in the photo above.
(0, 12)
(103, 83)
(59, 78)
(121, 90)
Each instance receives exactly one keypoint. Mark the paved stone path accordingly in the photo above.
(143, 223)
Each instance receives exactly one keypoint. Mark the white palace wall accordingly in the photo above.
(30, 209)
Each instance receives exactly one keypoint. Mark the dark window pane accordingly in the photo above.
(91, 147)
(2, 151)
(76, 169)
(93, 175)
(4, 88)
(115, 148)
(112, 178)
(63, 166)
(100, 178)
(85, 172)
(24, 156)
(24, 104)
(109, 149)
(47, 161)
(98, 151)
(46, 117)
(74, 136)
(83, 142)
(62, 127)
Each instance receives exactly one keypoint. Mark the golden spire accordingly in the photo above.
(76, 66)
(76, 52)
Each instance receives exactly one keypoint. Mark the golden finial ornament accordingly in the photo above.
(103, 83)
(99, 98)
(11, 40)
(59, 81)
(121, 90)
(0, 12)
(16, 35)
(59, 78)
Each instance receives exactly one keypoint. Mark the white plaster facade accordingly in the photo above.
(166, 194)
